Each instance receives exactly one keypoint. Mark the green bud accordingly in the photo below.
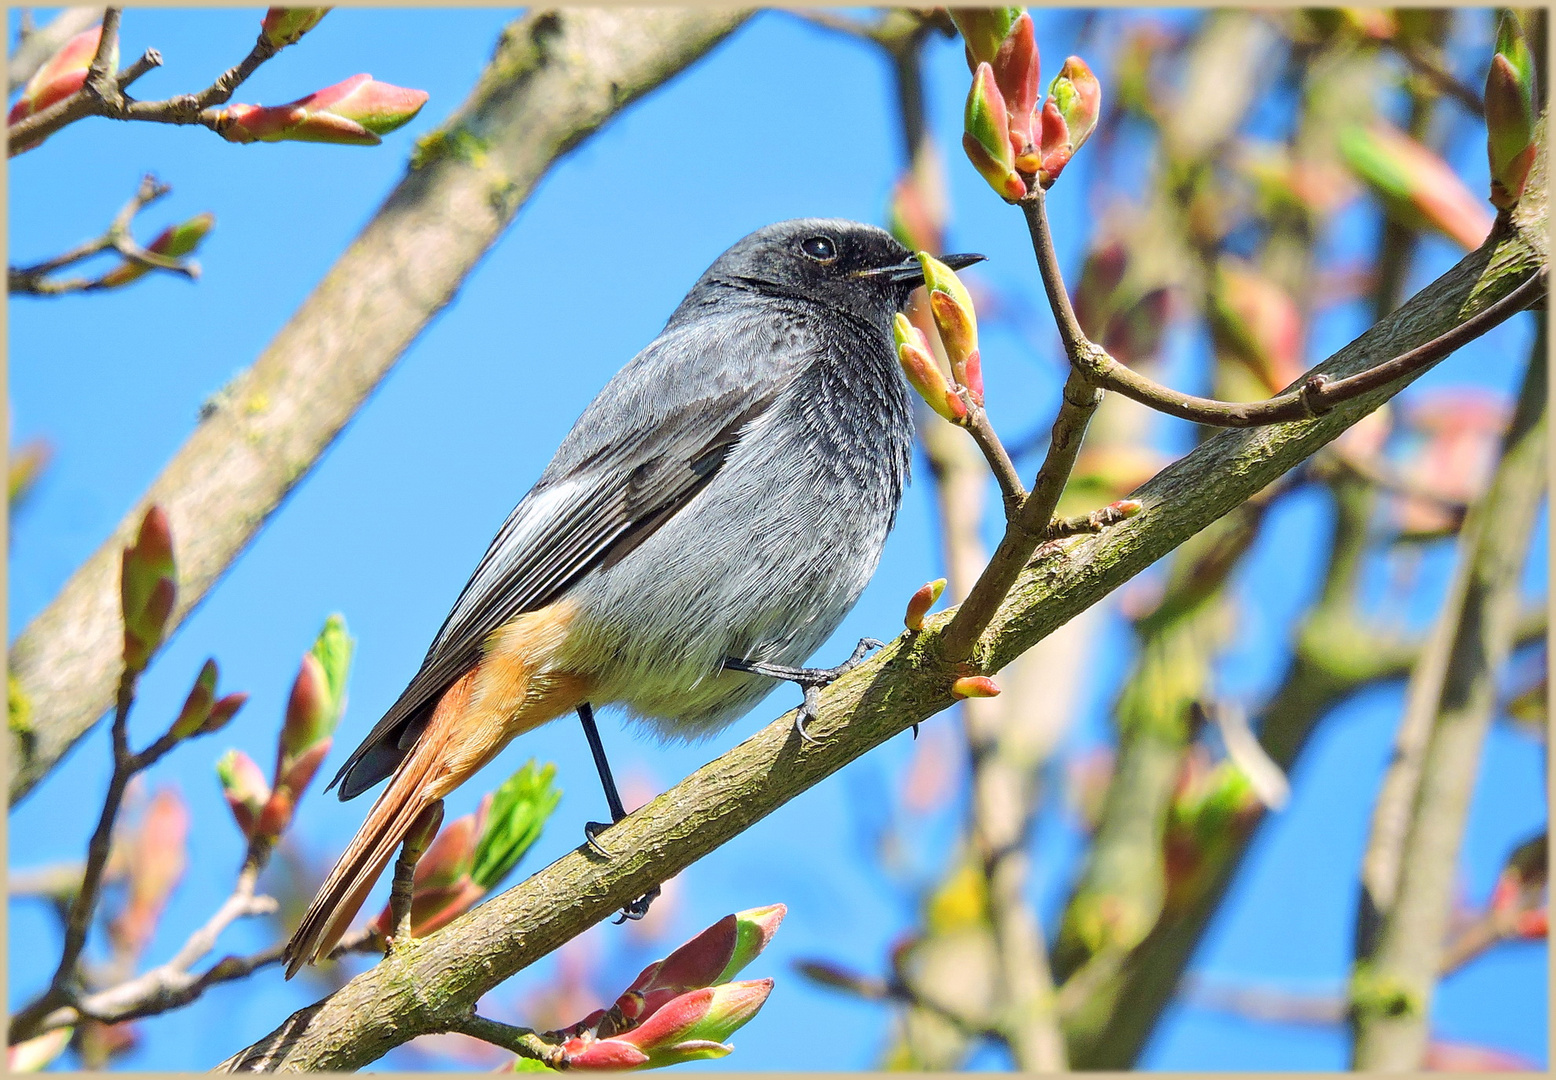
(518, 814)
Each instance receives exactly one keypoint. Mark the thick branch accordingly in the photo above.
(1392, 987)
(436, 980)
(555, 79)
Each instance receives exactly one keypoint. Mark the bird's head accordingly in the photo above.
(844, 264)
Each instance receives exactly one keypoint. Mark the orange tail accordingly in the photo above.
(411, 789)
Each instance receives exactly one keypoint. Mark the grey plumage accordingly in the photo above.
(727, 493)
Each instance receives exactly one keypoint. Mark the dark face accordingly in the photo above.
(840, 263)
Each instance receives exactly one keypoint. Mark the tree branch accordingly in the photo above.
(101, 97)
(1392, 984)
(35, 281)
(436, 980)
(555, 79)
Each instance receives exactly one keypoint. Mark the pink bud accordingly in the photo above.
(157, 861)
(920, 603)
(986, 135)
(60, 76)
(354, 112)
(1016, 69)
(1069, 116)
(223, 711)
(974, 686)
(307, 709)
(689, 1027)
(173, 242)
(197, 706)
(300, 771)
(244, 787)
(276, 814)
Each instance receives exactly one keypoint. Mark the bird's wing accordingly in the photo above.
(636, 457)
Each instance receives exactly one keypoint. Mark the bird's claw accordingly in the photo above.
(593, 829)
(810, 679)
(637, 908)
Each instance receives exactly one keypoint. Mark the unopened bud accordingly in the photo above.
(146, 589)
(61, 76)
(1510, 112)
(173, 242)
(1069, 117)
(974, 686)
(315, 706)
(986, 136)
(197, 706)
(921, 602)
(244, 787)
(957, 323)
(923, 373)
(223, 711)
(688, 1028)
(285, 26)
(984, 30)
(351, 113)
(1016, 70)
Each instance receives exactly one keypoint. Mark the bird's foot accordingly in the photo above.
(811, 679)
(637, 908)
(593, 829)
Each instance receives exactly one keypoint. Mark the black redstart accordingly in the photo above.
(706, 523)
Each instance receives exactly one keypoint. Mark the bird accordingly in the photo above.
(704, 526)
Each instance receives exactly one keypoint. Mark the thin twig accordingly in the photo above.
(1316, 394)
(988, 442)
(82, 907)
(519, 1040)
(1444, 80)
(1479, 937)
(35, 280)
(104, 96)
(1077, 405)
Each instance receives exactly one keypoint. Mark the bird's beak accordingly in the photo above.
(911, 273)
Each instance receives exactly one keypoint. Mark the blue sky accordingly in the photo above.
(782, 121)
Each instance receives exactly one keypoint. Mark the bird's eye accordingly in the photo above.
(819, 248)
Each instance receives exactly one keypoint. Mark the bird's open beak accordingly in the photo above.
(911, 273)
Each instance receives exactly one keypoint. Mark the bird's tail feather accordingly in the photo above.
(408, 794)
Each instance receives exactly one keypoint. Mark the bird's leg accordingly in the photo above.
(639, 907)
(403, 887)
(811, 680)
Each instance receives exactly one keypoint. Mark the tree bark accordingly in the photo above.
(1393, 982)
(555, 78)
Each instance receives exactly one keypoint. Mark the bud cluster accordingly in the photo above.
(1012, 136)
(683, 1007)
(956, 324)
(315, 706)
